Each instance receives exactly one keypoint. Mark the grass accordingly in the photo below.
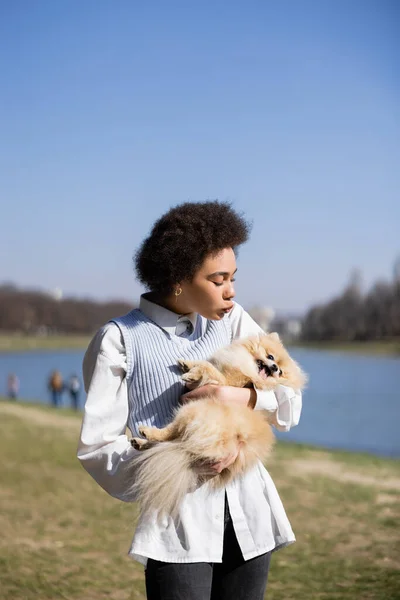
(384, 348)
(21, 343)
(63, 537)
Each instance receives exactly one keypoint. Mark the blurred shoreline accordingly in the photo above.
(384, 348)
(10, 342)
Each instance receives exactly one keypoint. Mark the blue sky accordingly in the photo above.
(113, 111)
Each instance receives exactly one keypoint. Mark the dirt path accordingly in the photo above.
(334, 470)
(312, 466)
(41, 417)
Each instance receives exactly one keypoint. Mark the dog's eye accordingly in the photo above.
(270, 357)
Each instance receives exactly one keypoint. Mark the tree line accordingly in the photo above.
(352, 316)
(35, 312)
(357, 316)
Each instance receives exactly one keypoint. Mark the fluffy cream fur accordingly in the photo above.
(205, 430)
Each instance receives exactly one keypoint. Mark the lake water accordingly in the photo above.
(352, 401)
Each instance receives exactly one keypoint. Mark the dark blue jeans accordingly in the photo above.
(233, 579)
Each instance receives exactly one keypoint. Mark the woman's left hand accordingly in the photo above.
(225, 394)
(210, 469)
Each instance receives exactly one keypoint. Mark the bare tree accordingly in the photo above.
(33, 311)
(357, 316)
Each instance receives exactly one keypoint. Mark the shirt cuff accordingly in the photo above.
(289, 408)
(266, 400)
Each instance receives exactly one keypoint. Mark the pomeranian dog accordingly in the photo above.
(205, 431)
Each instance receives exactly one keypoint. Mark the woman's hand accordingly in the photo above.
(211, 469)
(225, 394)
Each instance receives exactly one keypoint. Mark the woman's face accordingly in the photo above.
(211, 291)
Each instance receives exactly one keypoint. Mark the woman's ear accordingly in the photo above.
(177, 290)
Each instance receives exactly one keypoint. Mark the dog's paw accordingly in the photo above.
(194, 376)
(185, 365)
(267, 384)
(145, 431)
(139, 444)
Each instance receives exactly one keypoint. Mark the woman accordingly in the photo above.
(56, 387)
(220, 544)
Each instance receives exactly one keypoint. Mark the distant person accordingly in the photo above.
(12, 386)
(56, 386)
(74, 387)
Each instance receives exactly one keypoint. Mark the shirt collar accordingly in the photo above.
(163, 317)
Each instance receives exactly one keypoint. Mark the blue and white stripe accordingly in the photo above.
(153, 376)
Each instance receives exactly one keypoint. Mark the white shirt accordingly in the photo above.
(104, 450)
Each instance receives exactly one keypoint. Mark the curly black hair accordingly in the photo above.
(181, 239)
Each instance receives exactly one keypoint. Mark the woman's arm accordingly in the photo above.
(284, 404)
(104, 449)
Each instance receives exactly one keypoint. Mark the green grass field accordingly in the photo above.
(63, 537)
(22, 343)
(384, 348)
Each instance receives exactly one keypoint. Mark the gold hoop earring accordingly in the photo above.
(177, 292)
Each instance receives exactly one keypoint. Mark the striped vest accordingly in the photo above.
(153, 376)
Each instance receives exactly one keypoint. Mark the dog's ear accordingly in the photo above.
(275, 336)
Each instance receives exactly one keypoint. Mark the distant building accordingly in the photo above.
(263, 315)
(289, 328)
(56, 294)
(293, 328)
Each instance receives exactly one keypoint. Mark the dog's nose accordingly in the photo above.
(273, 368)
